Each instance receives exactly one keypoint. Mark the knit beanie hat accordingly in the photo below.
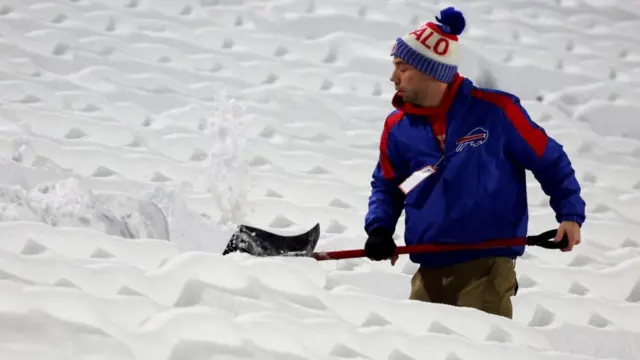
(433, 48)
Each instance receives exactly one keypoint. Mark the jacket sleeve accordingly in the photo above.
(530, 146)
(386, 200)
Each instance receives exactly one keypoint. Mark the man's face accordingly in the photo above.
(410, 83)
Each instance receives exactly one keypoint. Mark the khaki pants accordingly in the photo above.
(486, 284)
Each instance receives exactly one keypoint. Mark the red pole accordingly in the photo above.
(424, 248)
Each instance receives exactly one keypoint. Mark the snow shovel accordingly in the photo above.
(260, 242)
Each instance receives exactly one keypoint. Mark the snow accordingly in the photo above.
(135, 135)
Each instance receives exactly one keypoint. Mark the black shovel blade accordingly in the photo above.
(260, 242)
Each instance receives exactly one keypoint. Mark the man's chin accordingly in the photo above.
(405, 97)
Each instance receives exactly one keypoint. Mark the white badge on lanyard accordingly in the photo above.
(416, 178)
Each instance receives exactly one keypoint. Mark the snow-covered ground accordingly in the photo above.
(135, 134)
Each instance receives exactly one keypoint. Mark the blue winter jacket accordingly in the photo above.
(478, 191)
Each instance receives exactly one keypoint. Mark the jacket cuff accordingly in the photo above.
(380, 231)
(575, 218)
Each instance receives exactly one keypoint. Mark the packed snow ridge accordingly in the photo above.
(135, 135)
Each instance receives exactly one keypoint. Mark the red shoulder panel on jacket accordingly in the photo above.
(385, 162)
(534, 137)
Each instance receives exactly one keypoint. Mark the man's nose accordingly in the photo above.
(393, 76)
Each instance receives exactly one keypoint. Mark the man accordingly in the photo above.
(454, 157)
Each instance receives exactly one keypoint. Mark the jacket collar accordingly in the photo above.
(441, 109)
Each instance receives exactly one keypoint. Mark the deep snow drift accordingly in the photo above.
(135, 134)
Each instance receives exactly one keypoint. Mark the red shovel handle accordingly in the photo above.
(425, 248)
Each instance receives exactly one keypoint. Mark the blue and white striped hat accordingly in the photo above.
(433, 48)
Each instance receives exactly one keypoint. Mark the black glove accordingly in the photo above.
(379, 245)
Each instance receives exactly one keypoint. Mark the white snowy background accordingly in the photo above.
(135, 134)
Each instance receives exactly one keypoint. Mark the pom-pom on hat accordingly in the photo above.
(433, 48)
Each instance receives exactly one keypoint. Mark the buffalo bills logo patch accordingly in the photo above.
(475, 137)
